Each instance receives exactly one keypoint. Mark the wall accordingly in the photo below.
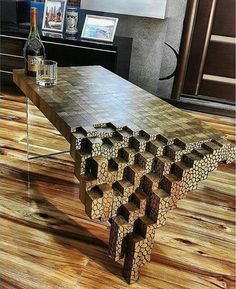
(151, 58)
(176, 12)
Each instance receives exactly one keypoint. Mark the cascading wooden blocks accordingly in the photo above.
(119, 230)
(135, 181)
(132, 260)
(94, 204)
(139, 198)
(135, 155)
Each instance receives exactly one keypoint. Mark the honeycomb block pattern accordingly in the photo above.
(134, 178)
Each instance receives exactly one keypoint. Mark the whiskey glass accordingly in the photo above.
(46, 74)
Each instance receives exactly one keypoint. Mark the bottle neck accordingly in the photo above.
(34, 31)
(34, 25)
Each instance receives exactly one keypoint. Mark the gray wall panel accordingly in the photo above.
(151, 59)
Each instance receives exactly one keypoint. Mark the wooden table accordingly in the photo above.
(135, 155)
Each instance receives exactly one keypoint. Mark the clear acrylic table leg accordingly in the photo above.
(28, 135)
(40, 135)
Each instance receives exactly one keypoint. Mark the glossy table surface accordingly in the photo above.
(92, 96)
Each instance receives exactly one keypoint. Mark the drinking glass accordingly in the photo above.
(47, 73)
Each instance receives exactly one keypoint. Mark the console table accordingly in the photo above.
(135, 155)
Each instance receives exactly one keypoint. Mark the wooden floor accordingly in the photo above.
(48, 242)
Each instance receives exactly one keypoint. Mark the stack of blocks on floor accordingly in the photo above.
(134, 178)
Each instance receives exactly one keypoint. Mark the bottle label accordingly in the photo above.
(34, 62)
(35, 44)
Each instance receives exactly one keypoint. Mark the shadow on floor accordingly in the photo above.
(60, 224)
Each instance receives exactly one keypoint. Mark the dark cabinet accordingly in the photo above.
(69, 56)
(8, 62)
(67, 52)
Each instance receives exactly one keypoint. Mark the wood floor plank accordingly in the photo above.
(48, 242)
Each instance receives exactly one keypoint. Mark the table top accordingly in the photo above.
(90, 97)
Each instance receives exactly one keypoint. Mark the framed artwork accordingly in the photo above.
(99, 28)
(54, 14)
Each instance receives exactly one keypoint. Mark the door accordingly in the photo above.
(207, 54)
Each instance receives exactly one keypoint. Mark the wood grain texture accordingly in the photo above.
(224, 20)
(164, 153)
(217, 89)
(216, 58)
(90, 96)
(220, 59)
(47, 241)
(199, 45)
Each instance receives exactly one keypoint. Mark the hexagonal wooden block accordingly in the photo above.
(94, 204)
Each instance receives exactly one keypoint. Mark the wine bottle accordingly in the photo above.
(34, 51)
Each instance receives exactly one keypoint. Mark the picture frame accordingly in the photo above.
(99, 28)
(54, 15)
(52, 34)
